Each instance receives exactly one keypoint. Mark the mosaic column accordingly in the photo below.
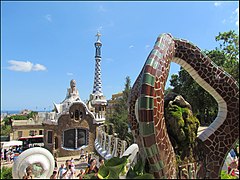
(97, 87)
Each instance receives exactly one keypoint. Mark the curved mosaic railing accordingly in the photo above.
(146, 105)
(108, 146)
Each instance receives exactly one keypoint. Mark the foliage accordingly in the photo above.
(6, 130)
(182, 128)
(138, 172)
(115, 167)
(225, 56)
(225, 175)
(120, 115)
(111, 169)
(6, 172)
(7, 122)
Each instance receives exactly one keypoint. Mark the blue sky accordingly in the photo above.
(46, 44)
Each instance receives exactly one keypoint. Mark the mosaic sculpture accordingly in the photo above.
(146, 109)
(40, 159)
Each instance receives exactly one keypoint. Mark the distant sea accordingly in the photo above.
(10, 111)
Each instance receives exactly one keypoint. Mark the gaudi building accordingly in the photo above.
(73, 123)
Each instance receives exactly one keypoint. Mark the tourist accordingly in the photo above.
(55, 161)
(67, 172)
(12, 156)
(92, 168)
(101, 162)
(2, 156)
(60, 171)
(81, 172)
(28, 174)
(86, 156)
(9, 156)
(89, 158)
(72, 166)
(82, 155)
(232, 168)
(54, 175)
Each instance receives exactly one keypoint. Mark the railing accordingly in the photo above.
(109, 146)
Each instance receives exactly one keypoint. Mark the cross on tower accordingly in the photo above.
(98, 36)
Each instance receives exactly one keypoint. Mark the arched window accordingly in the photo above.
(80, 115)
(75, 138)
(77, 115)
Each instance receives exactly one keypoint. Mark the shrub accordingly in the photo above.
(6, 173)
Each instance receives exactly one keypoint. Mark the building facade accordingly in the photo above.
(70, 127)
(111, 104)
(28, 127)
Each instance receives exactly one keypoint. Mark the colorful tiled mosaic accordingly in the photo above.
(146, 105)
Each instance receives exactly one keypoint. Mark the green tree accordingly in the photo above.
(120, 116)
(225, 56)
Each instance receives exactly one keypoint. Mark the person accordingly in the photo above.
(28, 174)
(232, 168)
(81, 172)
(67, 172)
(89, 158)
(72, 166)
(86, 156)
(60, 171)
(2, 156)
(54, 175)
(101, 162)
(55, 161)
(92, 168)
(82, 156)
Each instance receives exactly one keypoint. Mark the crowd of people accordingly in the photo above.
(69, 171)
(8, 155)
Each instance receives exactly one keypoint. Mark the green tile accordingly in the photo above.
(146, 102)
(157, 166)
(148, 79)
(151, 151)
(146, 128)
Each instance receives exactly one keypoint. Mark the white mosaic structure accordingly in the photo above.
(97, 103)
(40, 159)
(109, 146)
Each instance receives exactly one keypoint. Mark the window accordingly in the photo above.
(49, 137)
(19, 134)
(40, 132)
(31, 133)
(77, 115)
(56, 142)
(75, 138)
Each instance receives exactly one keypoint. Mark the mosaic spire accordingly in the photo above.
(97, 87)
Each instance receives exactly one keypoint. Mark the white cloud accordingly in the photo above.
(70, 74)
(39, 67)
(224, 21)
(131, 46)
(25, 66)
(48, 17)
(217, 4)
